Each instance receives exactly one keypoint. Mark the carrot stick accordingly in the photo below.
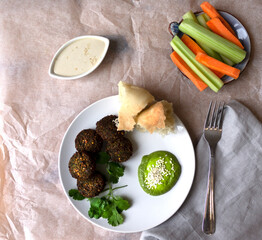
(194, 47)
(216, 65)
(213, 13)
(219, 74)
(191, 44)
(220, 29)
(184, 68)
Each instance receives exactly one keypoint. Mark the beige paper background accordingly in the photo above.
(36, 109)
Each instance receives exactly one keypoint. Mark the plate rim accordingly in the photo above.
(104, 227)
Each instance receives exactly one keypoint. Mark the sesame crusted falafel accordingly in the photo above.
(91, 187)
(106, 128)
(120, 149)
(81, 165)
(88, 140)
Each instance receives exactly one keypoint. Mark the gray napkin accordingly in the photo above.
(238, 185)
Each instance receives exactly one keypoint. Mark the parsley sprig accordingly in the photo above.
(115, 170)
(75, 194)
(109, 206)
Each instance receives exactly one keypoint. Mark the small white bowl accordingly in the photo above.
(51, 67)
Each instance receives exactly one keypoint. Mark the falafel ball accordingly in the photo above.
(120, 149)
(106, 128)
(91, 187)
(82, 165)
(88, 140)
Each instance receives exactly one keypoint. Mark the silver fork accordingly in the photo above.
(212, 134)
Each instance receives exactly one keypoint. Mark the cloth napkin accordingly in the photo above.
(238, 185)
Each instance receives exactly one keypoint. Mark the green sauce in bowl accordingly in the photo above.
(158, 172)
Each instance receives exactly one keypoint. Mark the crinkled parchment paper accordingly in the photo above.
(36, 109)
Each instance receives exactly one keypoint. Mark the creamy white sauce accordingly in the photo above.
(79, 57)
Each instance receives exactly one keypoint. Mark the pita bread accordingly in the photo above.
(158, 117)
(133, 100)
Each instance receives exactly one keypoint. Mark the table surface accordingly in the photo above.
(36, 110)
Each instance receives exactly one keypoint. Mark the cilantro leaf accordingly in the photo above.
(107, 210)
(121, 203)
(97, 207)
(75, 194)
(115, 218)
(115, 171)
(102, 158)
(112, 214)
(108, 207)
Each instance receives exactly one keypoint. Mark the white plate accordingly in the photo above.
(146, 211)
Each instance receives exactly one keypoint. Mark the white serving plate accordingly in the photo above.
(146, 211)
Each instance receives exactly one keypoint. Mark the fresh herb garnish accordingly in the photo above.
(102, 158)
(115, 170)
(109, 206)
(75, 194)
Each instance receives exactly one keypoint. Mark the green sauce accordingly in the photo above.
(158, 172)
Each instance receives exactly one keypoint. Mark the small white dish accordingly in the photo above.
(52, 72)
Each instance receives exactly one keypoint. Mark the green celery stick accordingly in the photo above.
(202, 21)
(202, 71)
(212, 40)
(190, 15)
(227, 61)
(207, 18)
(208, 50)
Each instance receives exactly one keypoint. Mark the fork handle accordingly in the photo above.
(209, 221)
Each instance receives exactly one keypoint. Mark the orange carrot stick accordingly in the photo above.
(216, 65)
(194, 47)
(213, 13)
(220, 29)
(219, 74)
(191, 44)
(184, 68)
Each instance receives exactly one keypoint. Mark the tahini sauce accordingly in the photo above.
(78, 57)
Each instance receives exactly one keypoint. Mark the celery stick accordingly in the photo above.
(208, 50)
(190, 15)
(207, 18)
(203, 72)
(227, 61)
(212, 40)
(202, 21)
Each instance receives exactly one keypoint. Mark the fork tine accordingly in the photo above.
(218, 115)
(214, 116)
(221, 109)
(207, 122)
